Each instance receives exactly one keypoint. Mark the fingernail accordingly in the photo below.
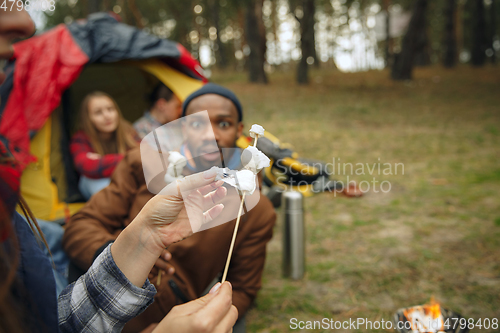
(215, 288)
(210, 173)
(171, 271)
(229, 283)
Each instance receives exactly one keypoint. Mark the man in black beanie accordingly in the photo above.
(225, 114)
(194, 263)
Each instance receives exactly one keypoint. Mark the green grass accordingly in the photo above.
(436, 233)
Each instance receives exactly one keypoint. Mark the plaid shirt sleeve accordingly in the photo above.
(93, 168)
(103, 299)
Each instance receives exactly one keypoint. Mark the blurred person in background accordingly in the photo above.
(116, 288)
(104, 138)
(165, 107)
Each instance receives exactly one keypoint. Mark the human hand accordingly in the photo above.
(180, 209)
(164, 220)
(212, 313)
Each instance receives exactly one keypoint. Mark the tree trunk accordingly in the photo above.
(262, 32)
(459, 25)
(450, 41)
(136, 13)
(220, 54)
(241, 22)
(123, 14)
(412, 43)
(423, 55)
(307, 41)
(106, 5)
(387, 33)
(93, 6)
(478, 57)
(312, 23)
(277, 49)
(493, 29)
(181, 30)
(256, 41)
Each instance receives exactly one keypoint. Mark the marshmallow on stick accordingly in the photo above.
(253, 161)
(176, 163)
(256, 131)
(243, 180)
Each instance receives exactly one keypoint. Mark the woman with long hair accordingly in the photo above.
(103, 139)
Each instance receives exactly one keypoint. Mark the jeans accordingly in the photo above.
(53, 233)
(88, 186)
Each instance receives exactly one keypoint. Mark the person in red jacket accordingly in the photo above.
(104, 138)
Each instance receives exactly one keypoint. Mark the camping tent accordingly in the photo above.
(49, 75)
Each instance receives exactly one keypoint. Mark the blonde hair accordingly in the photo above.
(122, 139)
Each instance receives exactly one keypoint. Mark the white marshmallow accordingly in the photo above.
(256, 130)
(177, 162)
(254, 160)
(246, 181)
(243, 180)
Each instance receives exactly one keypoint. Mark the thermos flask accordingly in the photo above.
(293, 235)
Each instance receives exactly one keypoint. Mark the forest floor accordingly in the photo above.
(436, 233)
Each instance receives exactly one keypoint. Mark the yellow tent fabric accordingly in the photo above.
(180, 84)
(37, 187)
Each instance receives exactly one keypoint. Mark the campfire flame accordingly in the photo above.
(425, 318)
(433, 308)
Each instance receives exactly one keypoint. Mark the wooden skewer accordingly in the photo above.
(236, 226)
(234, 238)
(158, 279)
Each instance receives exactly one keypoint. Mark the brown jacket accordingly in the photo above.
(197, 259)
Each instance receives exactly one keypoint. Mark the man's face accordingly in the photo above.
(13, 25)
(225, 125)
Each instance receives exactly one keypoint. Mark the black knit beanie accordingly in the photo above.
(211, 88)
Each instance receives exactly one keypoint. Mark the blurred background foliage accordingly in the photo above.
(261, 36)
